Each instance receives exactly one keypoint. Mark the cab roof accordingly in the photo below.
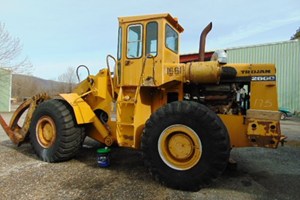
(167, 16)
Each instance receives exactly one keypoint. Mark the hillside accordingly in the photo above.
(24, 86)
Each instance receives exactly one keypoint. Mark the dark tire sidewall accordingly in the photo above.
(193, 113)
(42, 152)
(69, 136)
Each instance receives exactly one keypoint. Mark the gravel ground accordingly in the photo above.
(261, 174)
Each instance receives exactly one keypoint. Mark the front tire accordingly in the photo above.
(54, 133)
(185, 145)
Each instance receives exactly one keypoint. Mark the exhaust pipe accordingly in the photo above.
(202, 41)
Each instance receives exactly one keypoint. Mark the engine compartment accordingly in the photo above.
(224, 98)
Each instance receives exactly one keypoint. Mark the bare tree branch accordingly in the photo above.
(296, 35)
(68, 77)
(10, 51)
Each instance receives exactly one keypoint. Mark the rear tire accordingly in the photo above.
(54, 133)
(185, 145)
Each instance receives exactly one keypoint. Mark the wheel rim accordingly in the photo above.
(46, 131)
(179, 147)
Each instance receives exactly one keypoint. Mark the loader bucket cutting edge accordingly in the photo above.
(16, 133)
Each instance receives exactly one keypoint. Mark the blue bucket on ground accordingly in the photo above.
(103, 157)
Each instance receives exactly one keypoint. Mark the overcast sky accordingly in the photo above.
(58, 34)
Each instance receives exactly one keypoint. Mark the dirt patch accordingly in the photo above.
(293, 143)
(261, 174)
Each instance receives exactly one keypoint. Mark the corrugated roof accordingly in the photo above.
(264, 44)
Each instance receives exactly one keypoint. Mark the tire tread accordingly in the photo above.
(70, 135)
(218, 140)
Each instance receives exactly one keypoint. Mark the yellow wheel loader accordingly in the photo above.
(184, 117)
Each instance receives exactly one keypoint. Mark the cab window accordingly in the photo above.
(171, 39)
(151, 38)
(134, 41)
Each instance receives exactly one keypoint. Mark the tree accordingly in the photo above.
(10, 50)
(296, 35)
(68, 77)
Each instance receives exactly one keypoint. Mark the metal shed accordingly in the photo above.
(5, 90)
(286, 56)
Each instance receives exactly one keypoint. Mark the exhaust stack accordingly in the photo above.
(202, 41)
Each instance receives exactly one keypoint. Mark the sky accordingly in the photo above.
(59, 34)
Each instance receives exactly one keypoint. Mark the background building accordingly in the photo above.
(5, 90)
(285, 55)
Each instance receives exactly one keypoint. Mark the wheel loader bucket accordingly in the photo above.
(18, 133)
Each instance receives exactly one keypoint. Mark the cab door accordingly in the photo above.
(133, 60)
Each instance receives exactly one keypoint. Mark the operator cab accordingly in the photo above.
(147, 45)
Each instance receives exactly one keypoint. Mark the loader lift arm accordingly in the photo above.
(16, 133)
